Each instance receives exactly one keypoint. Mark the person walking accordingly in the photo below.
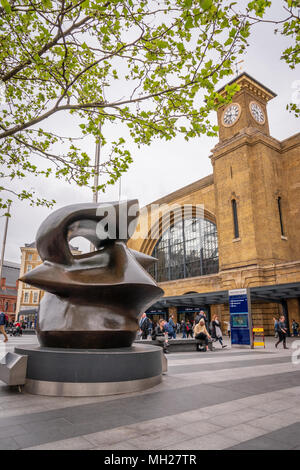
(189, 329)
(197, 318)
(282, 332)
(144, 326)
(183, 329)
(216, 331)
(201, 333)
(295, 327)
(172, 327)
(2, 326)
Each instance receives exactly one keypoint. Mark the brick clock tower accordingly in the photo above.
(248, 109)
(248, 178)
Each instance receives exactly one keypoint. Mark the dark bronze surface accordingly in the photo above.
(92, 300)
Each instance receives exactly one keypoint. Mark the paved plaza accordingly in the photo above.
(226, 399)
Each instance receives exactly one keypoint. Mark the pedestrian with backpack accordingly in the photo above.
(2, 326)
(171, 327)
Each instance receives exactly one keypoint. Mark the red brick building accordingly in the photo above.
(9, 289)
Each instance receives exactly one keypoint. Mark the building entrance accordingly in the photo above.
(189, 313)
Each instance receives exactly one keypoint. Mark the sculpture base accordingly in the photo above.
(86, 339)
(65, 372)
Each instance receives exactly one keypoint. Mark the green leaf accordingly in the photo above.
(6, 5)
(206, 4)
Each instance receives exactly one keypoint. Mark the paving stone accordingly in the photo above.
(8, 444)
(274, 421)
(209, 442)
(157, 440)
(200, 428)
(77, 443)
(242, 432)
(237, 417)
(260, 443)
(112, 436)
(10, 431)
(120, 446)
(289, 435)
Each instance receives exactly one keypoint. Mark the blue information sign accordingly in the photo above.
(240, 317)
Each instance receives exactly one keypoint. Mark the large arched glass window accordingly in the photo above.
(187, 249)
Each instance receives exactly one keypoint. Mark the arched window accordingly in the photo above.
(187, 249)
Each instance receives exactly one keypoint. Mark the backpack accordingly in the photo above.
(168, 328)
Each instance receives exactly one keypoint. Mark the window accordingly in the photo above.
(26, 297)
(187, 249)
(280, 216)
(35, 297)
(6, 306)
(235, 219)
(29, 257)
(29, 268)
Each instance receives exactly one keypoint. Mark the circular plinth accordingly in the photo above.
(78, 372)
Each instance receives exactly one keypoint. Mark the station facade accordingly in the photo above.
(248, 233)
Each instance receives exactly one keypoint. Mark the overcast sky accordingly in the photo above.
(165, 167)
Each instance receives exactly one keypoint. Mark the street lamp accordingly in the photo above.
(4, 241)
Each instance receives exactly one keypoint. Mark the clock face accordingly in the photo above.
(257, 112)
(231, 114)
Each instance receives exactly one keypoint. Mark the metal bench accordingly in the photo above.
(13, 369)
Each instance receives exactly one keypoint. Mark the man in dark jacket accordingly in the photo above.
(282, 332)
(145, 326)
(2, 326)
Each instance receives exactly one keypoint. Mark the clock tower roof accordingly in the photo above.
(247, 110)
(246, 82)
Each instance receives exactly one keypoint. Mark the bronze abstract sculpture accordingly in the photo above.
(93, 300)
